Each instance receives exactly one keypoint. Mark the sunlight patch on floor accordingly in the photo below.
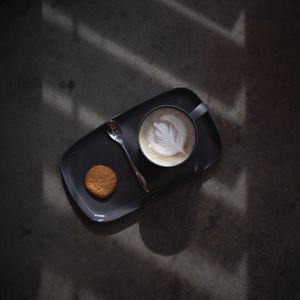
(235, 197)
(233, 113)
(55, 16)
(236, 34)
(230, 112)
(55, 286)
(52, 182)
(58, 100)
(63, 102)
(91, 119)
(133, 60)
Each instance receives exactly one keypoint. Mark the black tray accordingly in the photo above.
(98, 148)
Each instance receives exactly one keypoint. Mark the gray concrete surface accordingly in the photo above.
(231, 233)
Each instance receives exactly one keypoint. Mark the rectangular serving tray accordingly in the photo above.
(98, 148)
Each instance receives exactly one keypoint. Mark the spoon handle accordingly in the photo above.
(140, 177)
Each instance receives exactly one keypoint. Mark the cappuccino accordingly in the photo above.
(167, 136)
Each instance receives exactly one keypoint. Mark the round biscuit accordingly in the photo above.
(100, 181)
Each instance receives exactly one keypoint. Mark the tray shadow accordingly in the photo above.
(164, 224)
(101, 229)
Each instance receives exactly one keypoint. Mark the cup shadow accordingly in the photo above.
(166, 225)
(188, 219)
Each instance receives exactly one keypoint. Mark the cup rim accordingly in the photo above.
(177, 108)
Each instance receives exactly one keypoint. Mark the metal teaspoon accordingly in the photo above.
(114, 131)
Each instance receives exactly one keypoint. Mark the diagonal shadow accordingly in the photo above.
(209, 229)
(115, 265)
(201, 68)
(178, 220)
(223, 14)
(174, 239)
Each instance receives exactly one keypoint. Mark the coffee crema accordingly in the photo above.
(167, 136)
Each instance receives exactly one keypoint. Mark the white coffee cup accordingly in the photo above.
(168, 135)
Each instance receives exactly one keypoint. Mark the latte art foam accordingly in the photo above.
(167, 136)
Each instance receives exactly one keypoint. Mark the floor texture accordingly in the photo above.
(231, 233)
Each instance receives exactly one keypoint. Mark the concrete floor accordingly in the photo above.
(231, 233)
